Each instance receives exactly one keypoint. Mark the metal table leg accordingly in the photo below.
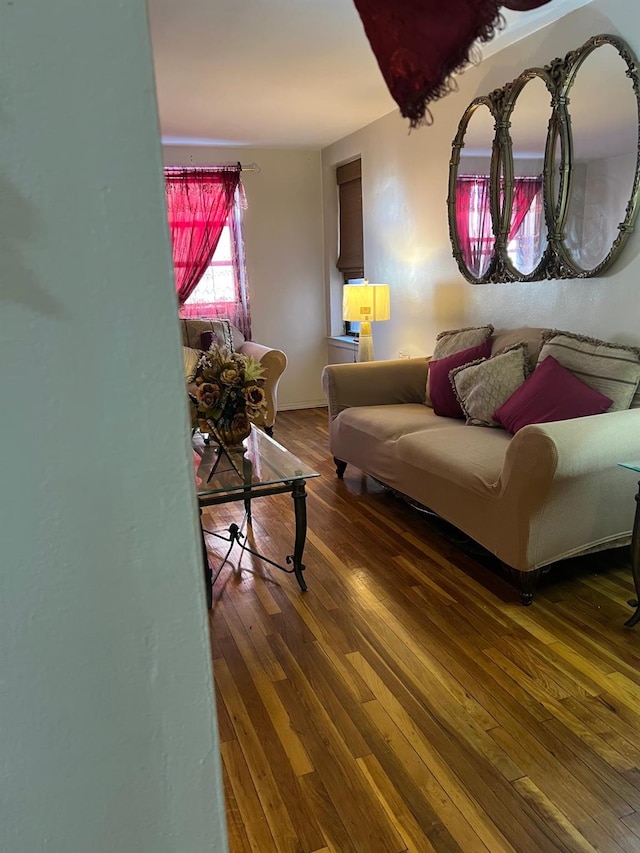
(235, 534)
(635, 564)
(208, 574)
(247, 473)
(299, 495)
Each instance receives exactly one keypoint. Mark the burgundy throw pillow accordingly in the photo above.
(443, 397)
(551, 393)
(206, 339)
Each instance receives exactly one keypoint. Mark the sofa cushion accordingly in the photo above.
(551, 393)
(503, 339)
(483, 386)
(443, 397)
(610, 368)
(368, 436)
(464, 460)
(388, 440)
(387, 423)
(455, 340)
(222, 333)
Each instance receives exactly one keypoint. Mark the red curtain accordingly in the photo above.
(524, 192)
(473, 221)
(473, 216)
(464, 189)
(198, 204)
(527, 235)
(209, 304)
(419, 44)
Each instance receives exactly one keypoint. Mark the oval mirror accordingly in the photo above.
(602, 110)
(526, 239)
(544, 180)
(470, 200)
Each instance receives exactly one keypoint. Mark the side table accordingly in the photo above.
(635, 550)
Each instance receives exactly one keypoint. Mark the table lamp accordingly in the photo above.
(365, 303)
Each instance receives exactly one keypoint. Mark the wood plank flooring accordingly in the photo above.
(407, 701)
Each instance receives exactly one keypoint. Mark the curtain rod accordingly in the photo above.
(249, 167)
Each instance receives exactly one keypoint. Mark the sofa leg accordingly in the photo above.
(269, 431)
(340, 467)
(526, 582)
(527, 589)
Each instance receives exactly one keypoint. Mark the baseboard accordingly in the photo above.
(302, 404)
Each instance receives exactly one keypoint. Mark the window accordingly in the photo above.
(350, 232)
(222, 290)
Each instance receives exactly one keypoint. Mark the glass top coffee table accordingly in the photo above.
(264, 468)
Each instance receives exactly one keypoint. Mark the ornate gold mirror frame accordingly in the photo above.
(572, 202)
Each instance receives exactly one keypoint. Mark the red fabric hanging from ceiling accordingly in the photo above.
(524, 5)
(420, 43)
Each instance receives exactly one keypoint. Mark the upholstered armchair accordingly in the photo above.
(198, 334)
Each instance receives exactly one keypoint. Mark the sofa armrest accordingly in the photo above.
(572, 448)
(274, 362)
(374, 383)
(561, 492)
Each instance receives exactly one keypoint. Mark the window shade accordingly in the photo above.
(351, 258)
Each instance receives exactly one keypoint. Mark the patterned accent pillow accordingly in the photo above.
(455, 340)
(445, 402)
(483, 386)
(610, 368)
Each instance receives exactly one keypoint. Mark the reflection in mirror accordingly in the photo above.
(603, 117)
(527, 236)
(472, 193)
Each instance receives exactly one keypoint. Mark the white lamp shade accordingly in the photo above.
(366, 302)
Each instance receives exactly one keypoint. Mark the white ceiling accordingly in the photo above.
(279, 73)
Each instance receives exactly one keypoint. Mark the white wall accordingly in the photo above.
(406, 236)
(107, 720)
(283, 243)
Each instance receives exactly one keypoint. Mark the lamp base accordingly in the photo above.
(365, 344)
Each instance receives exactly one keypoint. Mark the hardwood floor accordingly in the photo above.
(407, 700)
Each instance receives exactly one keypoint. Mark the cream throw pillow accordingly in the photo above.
(612, 369)
(483, 386)
(190, 359)
(455, 340)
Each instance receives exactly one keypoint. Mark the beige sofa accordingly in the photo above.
(549, 492)
(274, 361)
